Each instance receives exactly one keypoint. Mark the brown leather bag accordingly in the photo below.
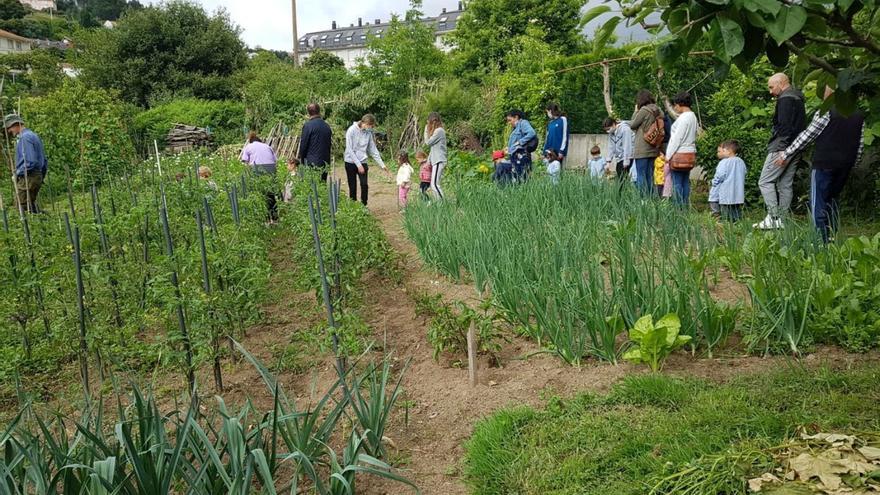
(682, 162)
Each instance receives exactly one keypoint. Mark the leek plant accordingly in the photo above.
(145, 451)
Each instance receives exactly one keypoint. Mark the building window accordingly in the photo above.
(363, 36)
(348, 38)
(18, 45)
(443, 20)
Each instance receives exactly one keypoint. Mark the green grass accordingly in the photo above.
(650, 426)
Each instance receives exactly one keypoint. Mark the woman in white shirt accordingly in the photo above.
(681, 153)
(359, 142)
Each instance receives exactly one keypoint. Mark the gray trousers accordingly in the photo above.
(777, 184)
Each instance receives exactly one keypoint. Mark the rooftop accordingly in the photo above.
(13, 36)
(356, 35)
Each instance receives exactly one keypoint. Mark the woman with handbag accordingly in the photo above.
(681, 153)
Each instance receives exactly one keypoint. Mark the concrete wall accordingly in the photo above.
(579, 146)
(579, 152)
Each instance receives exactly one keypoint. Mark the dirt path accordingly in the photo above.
(444, 407)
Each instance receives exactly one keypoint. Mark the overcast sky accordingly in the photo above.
(267, 23)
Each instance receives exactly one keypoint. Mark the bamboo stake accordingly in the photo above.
(325, 291)
(181, 317)
(80, 307)
(206, 287)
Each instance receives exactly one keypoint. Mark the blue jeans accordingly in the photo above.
(503, 173)
(645, 175)
(681, 187)
(825, 188)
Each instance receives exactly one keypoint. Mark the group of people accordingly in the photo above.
(654, 152)
(658, 155)
(360, 147)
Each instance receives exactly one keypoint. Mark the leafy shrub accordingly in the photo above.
(175, 48)
(40, 74)
(81, 128)
(225, 119)
(274, 90)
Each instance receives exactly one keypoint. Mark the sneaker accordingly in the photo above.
(764, 224)
(768, 223)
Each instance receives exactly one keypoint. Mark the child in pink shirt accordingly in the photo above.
(404, 177)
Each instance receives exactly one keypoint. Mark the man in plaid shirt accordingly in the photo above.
(839, 145)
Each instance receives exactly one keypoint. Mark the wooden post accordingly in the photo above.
(295, 34)
(472, 355)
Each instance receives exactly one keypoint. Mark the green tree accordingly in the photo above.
(403, 54)
(274, 90)
(834, 41)
(173, 49)
(12, 9)
(488, 29)
(529, 83)
(323, 60)
(40, 71)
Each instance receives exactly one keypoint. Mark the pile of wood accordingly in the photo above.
(183, 137)
(285, 145)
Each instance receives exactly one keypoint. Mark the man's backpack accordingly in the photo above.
(655, 132)
(532, 144)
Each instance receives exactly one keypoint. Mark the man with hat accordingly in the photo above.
(30, 163)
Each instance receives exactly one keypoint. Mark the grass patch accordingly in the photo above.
(649, 427)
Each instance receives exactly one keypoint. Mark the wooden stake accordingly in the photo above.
(472, 355)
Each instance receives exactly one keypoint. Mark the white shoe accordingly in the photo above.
(769, 223)
(765, 224)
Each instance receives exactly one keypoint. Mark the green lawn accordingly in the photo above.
(651, 426)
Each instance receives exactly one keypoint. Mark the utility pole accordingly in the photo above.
(295, 36)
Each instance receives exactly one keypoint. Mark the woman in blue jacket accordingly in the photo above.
(520, 145)
(557, 132)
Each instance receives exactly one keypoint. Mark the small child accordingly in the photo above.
(729, 183)
(554, 168)
(503, 168)
(659, 174)
(404, 177)
(205, 174)
(424, 173)
(292, 166)
(596, 163)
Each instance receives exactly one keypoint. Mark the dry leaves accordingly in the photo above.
(829, 463)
